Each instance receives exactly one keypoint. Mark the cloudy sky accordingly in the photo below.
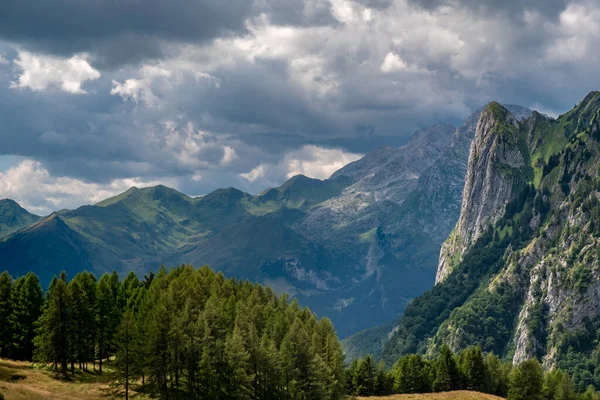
(100, 95)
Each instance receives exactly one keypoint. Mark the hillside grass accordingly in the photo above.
(458, 395)
(27, 381)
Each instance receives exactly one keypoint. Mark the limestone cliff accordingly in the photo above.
(497, 164)
(525, 277)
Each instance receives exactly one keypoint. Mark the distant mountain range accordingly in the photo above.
(356, 247)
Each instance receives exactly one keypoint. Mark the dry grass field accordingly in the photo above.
(459, 395)
(24, 381)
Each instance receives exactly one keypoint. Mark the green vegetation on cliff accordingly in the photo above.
(527, 287)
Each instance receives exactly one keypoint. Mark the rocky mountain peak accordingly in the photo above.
(496, 164)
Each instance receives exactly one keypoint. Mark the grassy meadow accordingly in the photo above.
(27, 381)
(458, 395)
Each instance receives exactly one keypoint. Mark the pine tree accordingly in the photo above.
(364, 380)
(108, 314)
(590, 394)
(238, 360)
(52, 342)
(496, 375)
(472, 368)
(6, 311)
(411, 375)
(129, 288)
(77, 321)
(87, 315)
(384, 382)
(27, 299)
(565, 389)
(526, 381)
(125, 357)
(446, 371)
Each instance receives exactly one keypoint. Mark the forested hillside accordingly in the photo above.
(343, 246)
(519, 275)
(465, 375)
(185, 333)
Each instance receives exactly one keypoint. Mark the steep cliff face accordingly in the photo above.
(498, 164)
(525, 281)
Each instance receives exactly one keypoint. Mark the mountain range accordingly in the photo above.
(519, 273)
(356, 247)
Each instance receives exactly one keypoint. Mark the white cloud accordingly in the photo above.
(32, 186)
(3, 61)
(140, 90)
(343, 10)
(136, 90)
(312, 161)
(392, 63)
(163, 77)
(229, 154)
(256, 173)
(578, 33)
(39, 72)
(317, 162)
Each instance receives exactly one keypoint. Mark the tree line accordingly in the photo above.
(470, 369)
(180, 334)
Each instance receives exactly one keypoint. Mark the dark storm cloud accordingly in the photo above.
(117, 31)
(377, 4)
(299, 13)
(516, 7)
(282, 77)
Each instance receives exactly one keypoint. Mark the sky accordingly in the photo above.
(102, 95)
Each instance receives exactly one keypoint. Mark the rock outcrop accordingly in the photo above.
(496, 167)
(523, 279)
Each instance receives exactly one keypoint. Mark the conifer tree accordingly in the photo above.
(472, 368)
(496, 375)
(52, 341)
(27, 299)
(411, 375)
(364, 380)
(89, 285)
(107, 317)
(238, 360)
(77, 321)
(526, 381)
(446, 371)
(6, 310)
(125, 357)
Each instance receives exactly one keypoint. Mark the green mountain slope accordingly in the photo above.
(14, 217)
(356, 247)
(519, 274)
(49, 245)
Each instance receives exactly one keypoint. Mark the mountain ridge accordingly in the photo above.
(349, 245)
(527, 287)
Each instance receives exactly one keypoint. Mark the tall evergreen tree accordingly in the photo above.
(496, 375)
(107, 317)
(238, 360)
(87, 314)
(6, 311)
(472, 368)
(364, 377)
(27, 299)
(52, 341)
(125, 357)
(526, 381)
(411, 375)
(446, 371)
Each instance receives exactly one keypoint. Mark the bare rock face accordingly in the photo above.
(495, 160)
